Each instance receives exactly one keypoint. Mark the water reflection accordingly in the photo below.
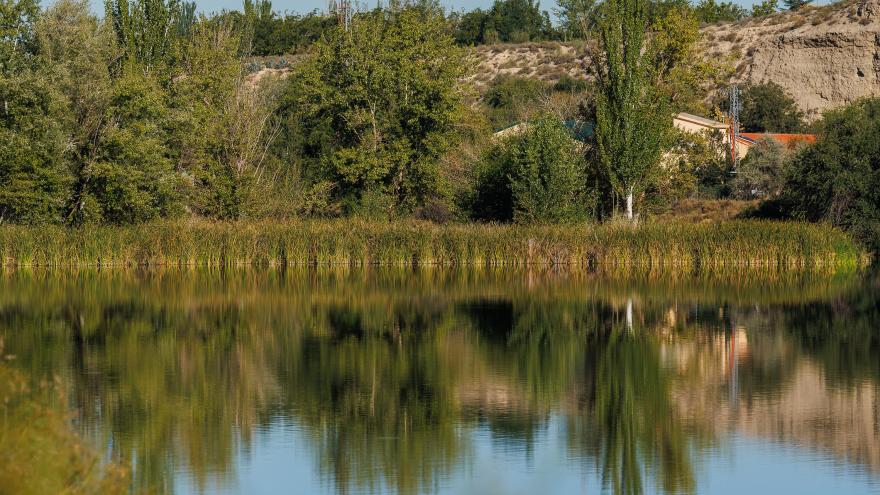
(392, 376)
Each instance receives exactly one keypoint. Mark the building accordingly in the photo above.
(695, 124)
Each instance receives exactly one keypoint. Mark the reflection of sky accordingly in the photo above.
(281, 460)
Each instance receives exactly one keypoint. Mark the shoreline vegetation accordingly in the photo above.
(691, 248)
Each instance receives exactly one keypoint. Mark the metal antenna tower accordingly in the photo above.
(344, 11)
(733, 117)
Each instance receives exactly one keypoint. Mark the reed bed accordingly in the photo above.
(723, 246)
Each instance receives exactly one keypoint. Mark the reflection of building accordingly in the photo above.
(805, 410)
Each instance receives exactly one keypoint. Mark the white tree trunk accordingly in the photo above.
(629, 314)
(629, 204)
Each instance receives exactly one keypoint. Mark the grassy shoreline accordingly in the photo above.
(753, 245)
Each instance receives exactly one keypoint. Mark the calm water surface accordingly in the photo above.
(460, 381)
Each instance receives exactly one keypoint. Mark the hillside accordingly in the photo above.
(823, 56)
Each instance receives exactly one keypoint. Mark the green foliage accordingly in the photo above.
(680, 69)
(510, 100)
(577, 17)
(836, 179)
(537, 176)
(375, 108)
(795, 4)
(765, 8)
(492, 197)
(761, 174)
(17, 40)
(767, 107)
(547, 175)
(34, 176)
(206, 99)
(470, 27)
(147, 29)
(708, 156)
(632, 121)
(271, 33)
(131, 178)
(711, 12)
(514, 21)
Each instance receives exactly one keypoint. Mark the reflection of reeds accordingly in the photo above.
(282, 288)
(728, 246)
(38, 452)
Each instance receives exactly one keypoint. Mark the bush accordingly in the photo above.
(761, 174)
(837, 179)
(509, 99)
(538, 177)
(765, 8)
(768, 108)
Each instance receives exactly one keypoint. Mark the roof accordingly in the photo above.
(703, 121)
(580, 130)
(787, 140)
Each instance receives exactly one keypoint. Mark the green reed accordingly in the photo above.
(736, 245)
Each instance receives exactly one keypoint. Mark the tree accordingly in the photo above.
(631, 120)
(34, 178)
(224, 159)
(576, 17)
(837, 179)
(17, 19)
(681, 73)
(375, 107)
(147, 29)
(547, 175)
(79, 51)
(796, 4)
(510, 99)
(131, 177)
(518, 21)
(710, 12)
(765, 8)
(470, 27)
(767, 107)
(761, 174)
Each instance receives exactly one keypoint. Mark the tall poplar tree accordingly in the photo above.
(632, 117)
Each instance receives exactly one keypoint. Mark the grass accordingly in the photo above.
(681, 246)
(707, 210)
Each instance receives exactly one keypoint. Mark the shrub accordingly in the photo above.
(768, 108)
(761, 174)
(536, 177)
(837, 179)
(547, 175)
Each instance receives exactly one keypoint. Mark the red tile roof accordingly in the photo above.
(788, 140)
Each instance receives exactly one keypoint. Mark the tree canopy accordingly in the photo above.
(376, 106)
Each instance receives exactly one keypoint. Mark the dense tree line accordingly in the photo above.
(140, 116)
(507, 21)
(150, 114)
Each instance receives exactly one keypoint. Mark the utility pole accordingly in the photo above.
(733, 120)
(343, 10)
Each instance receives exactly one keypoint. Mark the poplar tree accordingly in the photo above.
(632, 117)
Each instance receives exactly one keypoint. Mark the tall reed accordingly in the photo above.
(753, 245)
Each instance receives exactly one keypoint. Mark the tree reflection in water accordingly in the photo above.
(389, 372)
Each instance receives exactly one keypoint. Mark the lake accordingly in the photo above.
(462, 381)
